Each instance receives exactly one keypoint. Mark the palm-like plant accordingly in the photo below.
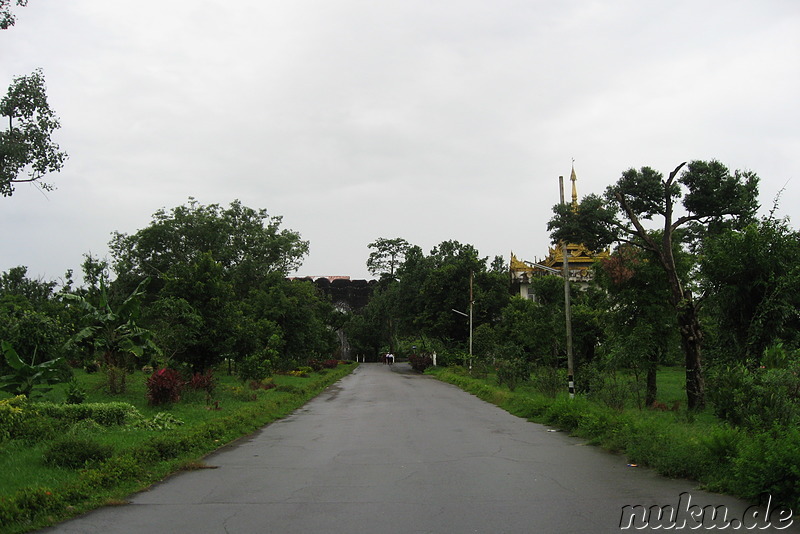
(25, 377)
(114, 333)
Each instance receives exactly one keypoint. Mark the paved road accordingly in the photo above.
(389, 451)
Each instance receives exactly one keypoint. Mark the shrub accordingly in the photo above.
(105, 413)
(169, 446)
(512, 371)
(330, 364)
(756, 399)
(74, 452)
(113, 471)
(203, 382)
(262, 384)
(254, 367)
(13, 413)
(37, 429)
(86, 427)
(160, 421)
(164, 387)
(289, 388)
(549, 381)
(769, 462)
(75, 395)
(420, 362)
(26, 503)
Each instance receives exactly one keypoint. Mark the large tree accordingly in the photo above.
(247, 244)
(711, 198)
(27, 151)
(386, 255)
(752, 281)
(432, 286)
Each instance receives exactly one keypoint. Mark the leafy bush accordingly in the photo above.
(113, 471)
(74, 452)
(37, 429)
(75, 395)
(612, 389)
(770, 463)
(160, 421)
(203, 382)
(104, 413)
(330, 364)
(262, 384)
(26, 503)
(24, 377)
(254, 367)
(289, 388)
(420, 362)
(86, 427)
(168, 446)
(757, 398)
(511, 371)
(13, 412)
(164, 387)
(549, 381)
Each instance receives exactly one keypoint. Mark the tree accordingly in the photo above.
(31, 319)
(210, 296)
(431, 287)
(248, 245)
(7, 18)
(640, 323)
(752, 279)
(27, 152)
(712, 199)
(386, 256)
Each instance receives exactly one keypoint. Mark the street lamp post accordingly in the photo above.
(469, 315)
(564, 273)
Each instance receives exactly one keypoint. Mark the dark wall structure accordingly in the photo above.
(347, 296)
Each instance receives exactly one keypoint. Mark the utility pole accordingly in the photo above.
(567, 306)
(471, 302)
(469, 315)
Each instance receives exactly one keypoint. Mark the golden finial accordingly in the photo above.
(574, 188)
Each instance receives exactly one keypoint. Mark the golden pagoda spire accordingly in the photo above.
(574, 178)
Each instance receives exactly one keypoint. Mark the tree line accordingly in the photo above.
(201, 287)
(695, 278)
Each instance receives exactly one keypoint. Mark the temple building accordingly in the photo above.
(579, 261)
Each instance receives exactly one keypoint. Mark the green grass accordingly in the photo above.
(34, 495)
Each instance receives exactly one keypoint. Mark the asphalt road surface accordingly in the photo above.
(386, 450)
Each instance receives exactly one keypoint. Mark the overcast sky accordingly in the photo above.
(422, 119)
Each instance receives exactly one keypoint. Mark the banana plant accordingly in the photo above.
(114, 333)
(25, 377)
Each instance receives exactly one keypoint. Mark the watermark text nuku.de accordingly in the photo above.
(686, 515)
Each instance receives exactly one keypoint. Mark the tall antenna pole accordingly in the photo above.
(567, 306)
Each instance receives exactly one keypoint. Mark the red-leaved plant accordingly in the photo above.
(164, 387)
